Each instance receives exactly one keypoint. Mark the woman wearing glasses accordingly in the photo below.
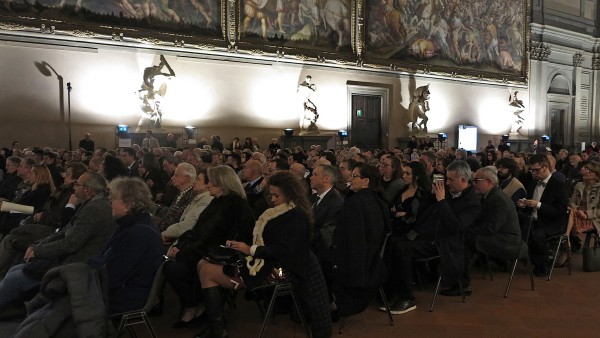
(361, 227)
(391, 177)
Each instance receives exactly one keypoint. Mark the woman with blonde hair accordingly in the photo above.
(42, 187)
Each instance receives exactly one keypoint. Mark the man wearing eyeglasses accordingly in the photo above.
(81, 239)
(547, 199)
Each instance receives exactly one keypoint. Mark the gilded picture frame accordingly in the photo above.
(458, 38)
(174, 22)
(310, 28)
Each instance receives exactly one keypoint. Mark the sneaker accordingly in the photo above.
(402, 306)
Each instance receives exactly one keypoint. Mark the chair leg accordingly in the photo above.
(462, 291)
(149, 326)
(558, 246)
(512, 274)
(342, 324)
(489, 268)
(435, 293)
(269, 311)
(530, 268)
(308, 333)
(387, 305)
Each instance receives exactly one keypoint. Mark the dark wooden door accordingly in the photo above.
(557, 128)
(365, 130)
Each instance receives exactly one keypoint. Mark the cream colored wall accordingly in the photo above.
(218, 97)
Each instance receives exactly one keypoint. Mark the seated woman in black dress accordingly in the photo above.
(361, 227)
(281, 239)
(227, 216)
(412, 199)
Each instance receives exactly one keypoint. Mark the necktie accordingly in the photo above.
(317, 198)
(541, 183)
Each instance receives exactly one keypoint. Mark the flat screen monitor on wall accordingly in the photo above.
(467, 137)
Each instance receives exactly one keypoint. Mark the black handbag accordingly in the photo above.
(223, 255)
(591, 259)
(186, 240)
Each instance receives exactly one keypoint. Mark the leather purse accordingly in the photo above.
(223, 255)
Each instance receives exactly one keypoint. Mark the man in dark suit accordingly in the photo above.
(456, 211)
(87, 143)
(497, 227)
(128, 157)
(327, 203)
(547, 199)
(252, 173)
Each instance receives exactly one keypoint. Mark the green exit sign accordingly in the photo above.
(359, 112)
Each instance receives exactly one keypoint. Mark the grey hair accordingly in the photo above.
(188, 170)
(461, 152)
(490, 173)
(16, 160)
(134, 192)
(96, 182)
(329, 170)
(461, 168)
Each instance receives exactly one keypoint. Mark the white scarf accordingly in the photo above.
(255, 264)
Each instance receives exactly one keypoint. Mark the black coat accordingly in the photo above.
(552, 214)
(358, 269)
(132, 257)
(497, 226)
(225, 218)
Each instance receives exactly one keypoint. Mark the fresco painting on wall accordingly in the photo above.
(314, 25)
(161, 19)
(473, 35)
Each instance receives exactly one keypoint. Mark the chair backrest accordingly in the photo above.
(525, 221)
(157, 284)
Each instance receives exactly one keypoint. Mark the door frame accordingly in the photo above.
(561, 102)
(354, 88)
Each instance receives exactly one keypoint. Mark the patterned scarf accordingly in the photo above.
(255, 264)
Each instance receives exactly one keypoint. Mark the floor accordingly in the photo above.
(567, 306)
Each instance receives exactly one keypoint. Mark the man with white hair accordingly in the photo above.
(496, 230)
(183, 179)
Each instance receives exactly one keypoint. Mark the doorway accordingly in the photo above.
(366, 121)
(368, 116)
(557, 128)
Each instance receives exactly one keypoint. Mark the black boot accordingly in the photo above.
(214, 299)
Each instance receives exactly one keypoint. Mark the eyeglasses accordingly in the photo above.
(535, 170)
(478, 180)
(384, 165)
(355, 176)
(77, 184)
(588, 170)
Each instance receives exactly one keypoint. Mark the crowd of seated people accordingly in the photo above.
(320, 215)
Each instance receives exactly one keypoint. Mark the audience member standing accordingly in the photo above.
(87, 143)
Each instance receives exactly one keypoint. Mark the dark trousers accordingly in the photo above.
(538, 244)
(184, 281)
(403, 253)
